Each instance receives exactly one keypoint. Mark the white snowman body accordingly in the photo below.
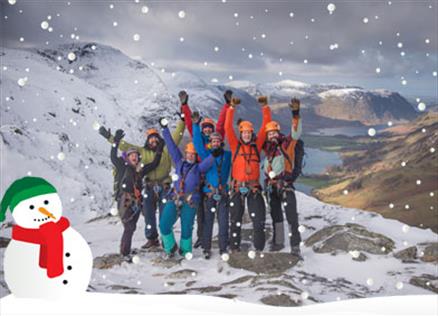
(24, 276)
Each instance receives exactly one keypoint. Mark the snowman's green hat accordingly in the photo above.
(23, 189)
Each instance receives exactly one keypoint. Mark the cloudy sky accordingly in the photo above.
(375, 44)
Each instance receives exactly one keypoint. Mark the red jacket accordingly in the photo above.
(246, 166)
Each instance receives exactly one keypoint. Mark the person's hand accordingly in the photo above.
(106, 133)
(163, 122)
(235, 101)
(262, 100)
(295, 106)
(196, 117)
(118, 136)
(183, 97)
(228, 96)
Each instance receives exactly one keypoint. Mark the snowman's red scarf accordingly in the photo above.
(49, 237)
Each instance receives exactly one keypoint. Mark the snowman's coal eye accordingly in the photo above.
(31, 207)
(46, 202)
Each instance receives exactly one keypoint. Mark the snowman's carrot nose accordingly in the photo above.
(46, 212)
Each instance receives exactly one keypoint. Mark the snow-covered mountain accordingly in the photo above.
(53, 100)
(339, 102)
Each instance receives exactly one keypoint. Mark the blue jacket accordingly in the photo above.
(190, 172)
(222, 162)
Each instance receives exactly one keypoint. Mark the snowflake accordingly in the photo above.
(144, 9)
(421, 106)
(331, 7)
(251, 254)
(71, 56)
(365, 20)
(405, 228)
(136, 259)
(181, 14)
(136, 37)
(291, 14)
(372, 132)
(44, 25)
(370, 282)
(378, 70)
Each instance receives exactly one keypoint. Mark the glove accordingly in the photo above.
(163, 122)
(262, 100)
(196, 117)
(235, 101)
(106, 133)
(183, 97)
(118, 136)
(295, 106)
(227, 96)
(181, 115)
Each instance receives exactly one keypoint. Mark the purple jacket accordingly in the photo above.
(189, 172)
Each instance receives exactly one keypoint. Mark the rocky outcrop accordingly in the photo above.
(266, 263)
(349, 238)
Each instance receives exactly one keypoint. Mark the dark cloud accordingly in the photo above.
(265, 32)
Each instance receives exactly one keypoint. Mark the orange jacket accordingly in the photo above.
(246, 166)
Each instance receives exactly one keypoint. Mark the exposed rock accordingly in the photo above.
(271, 263)
(361, 257)
(240, 280)
(182, 274)
(230, 296)
(107, 261)
(165, 263)
(280, 300)
(349, 237)
(207, 289)
(430, 252)
(407, 255)
(426, 281)
(190, 283)
(4, 242)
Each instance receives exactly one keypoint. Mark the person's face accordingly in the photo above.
(190, 157)
(246, 136)
(133, 159)
(153, 142)
(215, 143)
(272, 135)
(207, 130)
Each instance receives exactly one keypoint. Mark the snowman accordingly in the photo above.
(46, 257)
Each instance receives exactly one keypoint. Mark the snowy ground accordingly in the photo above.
(320, 278)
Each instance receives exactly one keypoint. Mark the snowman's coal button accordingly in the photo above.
(65, 282)
(68, 267)
(67, 254)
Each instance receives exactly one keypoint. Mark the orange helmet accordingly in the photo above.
(246, 126)
(190, 148)
(208, 121)
(151, 131)
(272, 126)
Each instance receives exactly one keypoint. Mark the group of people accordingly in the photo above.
(209, 180)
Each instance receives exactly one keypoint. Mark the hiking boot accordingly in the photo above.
(171, 254)
(151, 243)
(207, 254)
(198, 243)
(295, 251)
(276, 247)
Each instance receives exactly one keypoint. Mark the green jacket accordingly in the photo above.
(161, 173)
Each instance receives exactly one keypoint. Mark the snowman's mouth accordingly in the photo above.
(44, 219)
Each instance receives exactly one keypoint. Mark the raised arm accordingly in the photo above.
(173, 149)
(220, 125)
(186, 111)
(296, 127)
(298, 162)
(266, 112)
(198, 142)
(206, 163)
(117, 161)
(229, 129)
(178, 132)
